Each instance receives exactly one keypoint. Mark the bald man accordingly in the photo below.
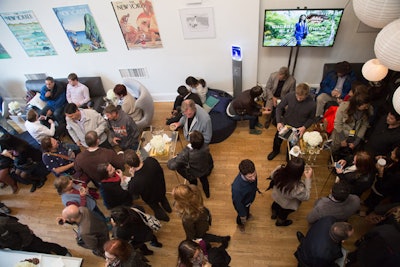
(92, 231)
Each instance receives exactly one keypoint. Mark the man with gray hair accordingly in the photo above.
(322, 245)
(279, 84)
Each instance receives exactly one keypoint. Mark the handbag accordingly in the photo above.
(149, 220)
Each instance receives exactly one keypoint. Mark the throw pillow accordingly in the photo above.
(210, 103)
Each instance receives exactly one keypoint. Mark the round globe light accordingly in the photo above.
(374, 71)
(387, 45)
(377, 13)
(396, 100)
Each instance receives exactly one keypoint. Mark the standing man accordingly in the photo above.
(92, 232)
(244, 189)
(81, 121)
(148, 182)
(322, 245)
(77, 92)
(296, 109)
(194, 118)
(87, 161)
(279, 84)
(124, 131)
(53, 93)
(335, 85)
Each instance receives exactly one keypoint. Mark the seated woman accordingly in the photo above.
(57, 157)
(289, 190)
(360, 175)
(28, 166)
(198, 86)
(244, 107)
(111, 190)
(194, 161)
(127, 102)
(128, 225)
(196, 218)
(351, 122)
(75, 192)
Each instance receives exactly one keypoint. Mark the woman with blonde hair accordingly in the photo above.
(196, 218)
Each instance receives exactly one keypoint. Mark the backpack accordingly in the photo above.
(149, 220)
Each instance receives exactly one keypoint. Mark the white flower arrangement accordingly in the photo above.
(158, 143)
(14, 107)
(313, 138)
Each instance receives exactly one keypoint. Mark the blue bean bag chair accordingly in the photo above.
(222, 125)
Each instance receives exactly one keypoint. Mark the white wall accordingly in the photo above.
(349, 45)
(237, 22)
(168, 67)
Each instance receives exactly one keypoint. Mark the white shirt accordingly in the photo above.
(38, 130)
(78, 94)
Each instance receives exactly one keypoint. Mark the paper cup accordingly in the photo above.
(172, 127)
(382, 162)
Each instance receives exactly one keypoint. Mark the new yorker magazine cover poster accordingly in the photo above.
(138, 23)
(80, 28)
(29, 33)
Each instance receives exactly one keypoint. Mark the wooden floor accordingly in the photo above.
(263, 244)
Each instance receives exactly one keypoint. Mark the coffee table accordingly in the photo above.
(164, 156)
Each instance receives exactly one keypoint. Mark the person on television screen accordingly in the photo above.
(301, 30)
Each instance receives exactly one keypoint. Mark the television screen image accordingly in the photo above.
(301, 27)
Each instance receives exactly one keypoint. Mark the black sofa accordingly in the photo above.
(94, 84)
(356, 67)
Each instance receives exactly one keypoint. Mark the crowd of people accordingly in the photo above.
(102, 152)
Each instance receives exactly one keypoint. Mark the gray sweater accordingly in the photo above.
(295, 113)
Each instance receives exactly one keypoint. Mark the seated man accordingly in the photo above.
(77, 92)
(339, 204)
(335, 85)
(81, 121)
(194, 118)
(53, 93)
(244, 107)
(183, 93)
(36, 129)
(322, 245)
(279, 84)
(124, 131)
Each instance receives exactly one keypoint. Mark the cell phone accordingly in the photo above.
(337, 165)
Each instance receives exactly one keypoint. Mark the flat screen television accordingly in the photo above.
(301, 27)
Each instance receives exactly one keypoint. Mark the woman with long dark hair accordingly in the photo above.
(360, 175)
(289, 190)
(351, 123)
(119, 253)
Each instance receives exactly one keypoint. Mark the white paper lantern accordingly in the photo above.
(396, 100)
(387, 45)
(374, 71)
(377, 13)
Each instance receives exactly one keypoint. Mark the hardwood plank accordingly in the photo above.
(263, 244)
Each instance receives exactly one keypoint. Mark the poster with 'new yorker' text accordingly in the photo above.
(80, 28)
(138, 23)
(29, 33)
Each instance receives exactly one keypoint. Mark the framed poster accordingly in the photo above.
(3, 52)
(138, 23)
(80, 28)
(29, 33)
(197, 23)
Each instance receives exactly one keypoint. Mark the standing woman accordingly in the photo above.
(120, 253)
(196, 219)
(351, 123)
(301, 30)
(128, 225)
(289, 190)
(198, 86)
